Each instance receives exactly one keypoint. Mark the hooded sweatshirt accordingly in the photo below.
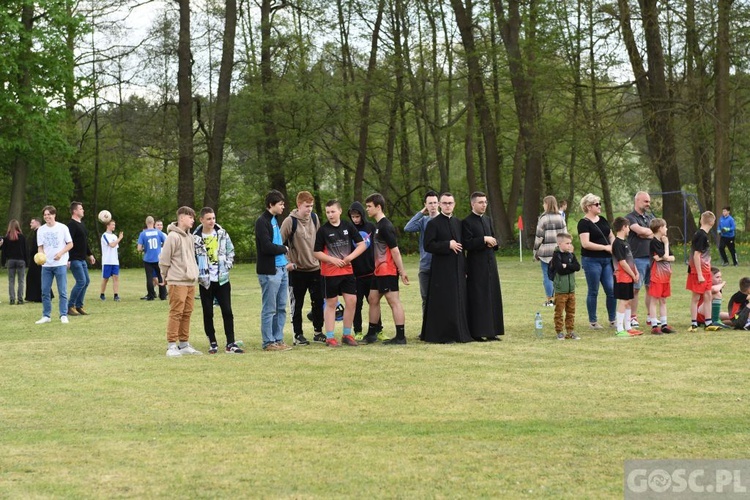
(364, 265)
(177, 259)
(302, 243)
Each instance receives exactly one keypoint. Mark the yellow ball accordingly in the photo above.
(40, 258)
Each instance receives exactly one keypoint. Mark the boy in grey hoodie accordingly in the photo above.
(180, 273)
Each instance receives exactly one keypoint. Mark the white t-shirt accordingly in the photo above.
(54, 239)
(109, 254)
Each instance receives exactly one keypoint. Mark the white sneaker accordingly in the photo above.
(188, 349)
(64, 320)
(45, 319)
(173, 352)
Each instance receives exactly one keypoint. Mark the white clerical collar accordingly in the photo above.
(478, 215)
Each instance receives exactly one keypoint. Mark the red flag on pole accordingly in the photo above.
(520, 223)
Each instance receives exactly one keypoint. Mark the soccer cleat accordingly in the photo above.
(102, 297)
(693, 328)
(395, 341)
(44, 319)
(560, 336)
(634, 322)
(117, 298)
(667, 329)
(233, 349)
(64, 320)
(712, 328)
(383, 337)
(349, 340)
(188, 349)
(82, 311)
(213, 349)
(572, 336)
(370, 338)
(300, 340)
(332, 343)
(359, 336)
(655, 330)
(319, 337)
(72, 311)
(634, 333)
(622, 333)
(173, 352)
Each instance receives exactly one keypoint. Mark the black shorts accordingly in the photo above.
(333, 286)
(384, 284)
(624, 291)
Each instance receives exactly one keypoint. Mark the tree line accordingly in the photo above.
(141, 108)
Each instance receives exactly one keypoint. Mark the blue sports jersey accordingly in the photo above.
(152, 241)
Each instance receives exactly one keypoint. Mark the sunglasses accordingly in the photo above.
(596, 204)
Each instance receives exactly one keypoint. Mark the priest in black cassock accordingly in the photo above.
(444, 320)
(485, 306)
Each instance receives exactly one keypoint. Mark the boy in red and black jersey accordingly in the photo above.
(388, 267)
(661, 275)
(337, 244)
(699, 280)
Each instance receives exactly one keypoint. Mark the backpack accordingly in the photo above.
(314, 218)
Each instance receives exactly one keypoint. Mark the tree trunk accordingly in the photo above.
(364, 113)
(20, 164)
(486, 122)
(655, 107)
(274, 165)
(722, 145)
(185, 183)
(526, 109)
(221, 112)
(697, 88)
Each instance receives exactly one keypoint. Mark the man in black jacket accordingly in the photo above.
(273, 273)
(80, 253)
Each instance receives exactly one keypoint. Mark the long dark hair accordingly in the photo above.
(14, 229)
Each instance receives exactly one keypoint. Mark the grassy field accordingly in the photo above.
(94, 409)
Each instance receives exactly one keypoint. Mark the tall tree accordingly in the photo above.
(185, 183)
(271, 153)
(364, 112)
(722, 145)
(655, 104)
(221, 111)
(466, 25)
(521, 67)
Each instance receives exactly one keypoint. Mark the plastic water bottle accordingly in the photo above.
(538, 327)
(240, 344)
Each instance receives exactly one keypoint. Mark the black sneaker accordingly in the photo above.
(102, 297)
(147, 297)
(370, 338)
(213, 349)
(233, 349)
(395, 341)
(319, 337)
(300, 340)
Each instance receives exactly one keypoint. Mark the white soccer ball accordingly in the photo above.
(105, 216)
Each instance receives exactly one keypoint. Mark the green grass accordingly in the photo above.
(94, 409)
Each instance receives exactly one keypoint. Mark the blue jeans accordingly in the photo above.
(274, 295)
(642, 264)
(60, 273)
(599, 270)
(549, 286)
(81, 274)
